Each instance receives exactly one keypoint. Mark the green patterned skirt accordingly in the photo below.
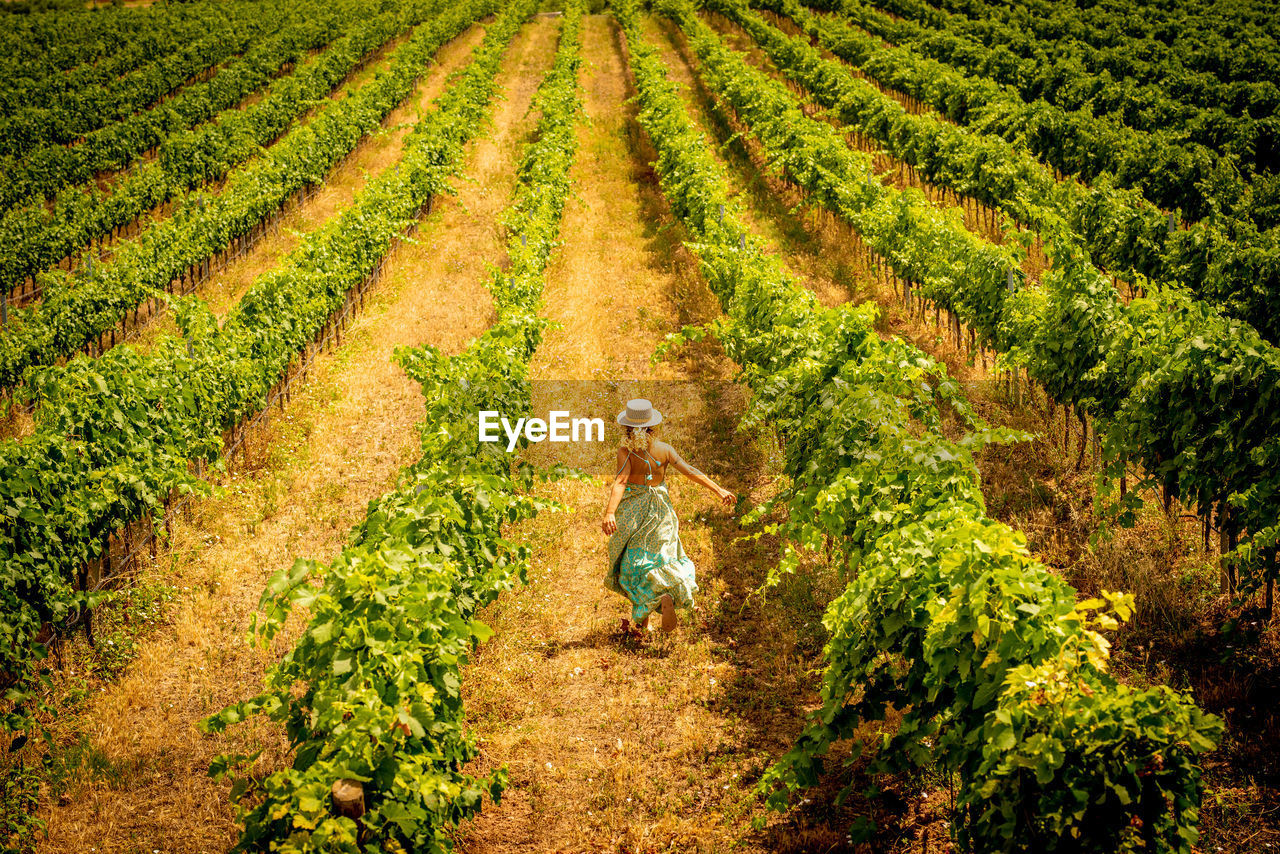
(646, 558)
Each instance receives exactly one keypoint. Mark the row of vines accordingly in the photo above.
(391, 618)
(46, 171)
(1188, 396)
(67, 49)
(79, 308)
(999, 675)
(35, 237)
(117, 437)
(1195, 53)
(1212, 152)
(217, 35)
(991, 156)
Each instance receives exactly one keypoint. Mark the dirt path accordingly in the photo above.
(374, 154)
(830, 272)
(610, 745)
(142, 785)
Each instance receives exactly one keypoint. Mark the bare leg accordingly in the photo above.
(668, 612)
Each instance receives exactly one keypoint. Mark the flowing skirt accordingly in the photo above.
(646, 558)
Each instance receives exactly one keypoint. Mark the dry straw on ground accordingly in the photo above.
(656, 747)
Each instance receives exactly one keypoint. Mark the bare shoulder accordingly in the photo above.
(663, 452)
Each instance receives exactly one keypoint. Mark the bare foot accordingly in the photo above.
(668, 612)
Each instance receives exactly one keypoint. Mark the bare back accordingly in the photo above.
(648, 468)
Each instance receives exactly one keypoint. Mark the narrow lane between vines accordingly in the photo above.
(613, 745)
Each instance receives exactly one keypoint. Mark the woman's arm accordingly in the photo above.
(698, 477)
(609, 524)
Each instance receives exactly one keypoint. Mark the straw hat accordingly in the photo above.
(639, 413)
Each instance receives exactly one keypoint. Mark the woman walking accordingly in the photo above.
(647, 563)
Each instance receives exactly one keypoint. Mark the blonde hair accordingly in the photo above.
(638, 439)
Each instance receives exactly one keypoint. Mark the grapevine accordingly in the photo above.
(118, 435)
(388, 713)
(999, 674)
(1142, 368)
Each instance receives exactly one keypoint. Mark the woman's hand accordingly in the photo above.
(727, 497)
(610, 524)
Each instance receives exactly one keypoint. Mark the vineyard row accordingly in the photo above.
(379, 731)
(116, 437)
(998, 674)
(1144, 369)
(990, 157)
(49, 171)
(95, 301)
(34, 237)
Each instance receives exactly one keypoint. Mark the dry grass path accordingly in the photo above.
(374, 154)
(341, 444)
(614, 746)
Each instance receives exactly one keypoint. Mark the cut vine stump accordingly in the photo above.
(348, 798)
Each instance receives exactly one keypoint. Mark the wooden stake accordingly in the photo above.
(1223, 548)
(1084, 437)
